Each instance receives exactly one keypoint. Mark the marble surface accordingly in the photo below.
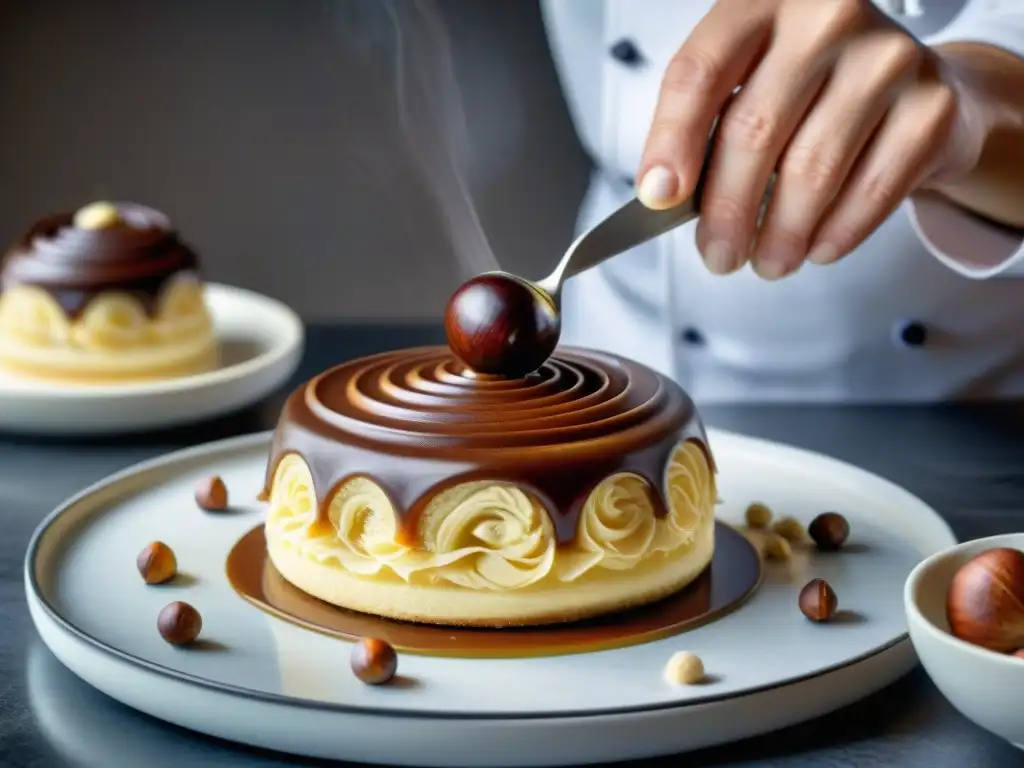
(966, 461)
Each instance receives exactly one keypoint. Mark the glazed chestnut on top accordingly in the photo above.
(501, 325)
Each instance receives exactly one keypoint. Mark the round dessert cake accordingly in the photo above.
(105, 293)
(406, 486)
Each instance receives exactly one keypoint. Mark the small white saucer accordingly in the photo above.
(261, 344)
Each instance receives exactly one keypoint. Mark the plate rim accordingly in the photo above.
(242, 442)
(293, 338)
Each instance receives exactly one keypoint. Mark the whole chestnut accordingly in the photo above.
(829, 530)
(179, 623)
(501, 325)
(374, 661)
(818, 601)
(157, 563)
(211, 494)
(985, 600)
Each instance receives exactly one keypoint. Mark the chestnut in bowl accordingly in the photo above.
(983, 684)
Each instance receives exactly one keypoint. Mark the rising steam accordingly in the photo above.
(410, 39)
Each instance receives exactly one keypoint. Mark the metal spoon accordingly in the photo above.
(631, 225)
(502, 324)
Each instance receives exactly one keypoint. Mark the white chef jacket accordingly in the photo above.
(930, 307)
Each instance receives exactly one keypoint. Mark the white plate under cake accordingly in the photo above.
(767, 666)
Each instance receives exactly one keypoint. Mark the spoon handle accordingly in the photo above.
(629, 226)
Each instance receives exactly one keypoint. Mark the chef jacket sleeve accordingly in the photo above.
(964, 242)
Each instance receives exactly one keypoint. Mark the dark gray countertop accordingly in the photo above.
(967, 461)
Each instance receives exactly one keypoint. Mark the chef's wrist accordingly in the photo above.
(983, 169)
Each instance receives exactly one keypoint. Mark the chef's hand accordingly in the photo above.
(852, 112)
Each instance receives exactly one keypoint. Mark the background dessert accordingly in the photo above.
(407, 486)
(109, 292)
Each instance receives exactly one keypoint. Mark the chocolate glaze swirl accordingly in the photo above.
(417, 422)
(137, 255)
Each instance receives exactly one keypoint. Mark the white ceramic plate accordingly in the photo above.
(268, 683)
(261, 344)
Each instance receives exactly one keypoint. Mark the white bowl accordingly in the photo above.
(983, 685)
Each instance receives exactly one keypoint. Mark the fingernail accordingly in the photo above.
(658, 188)
(822, 254)
(774, 258)
(772, 270)
(720, 257)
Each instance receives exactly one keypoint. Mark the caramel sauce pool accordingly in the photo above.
(732, 577)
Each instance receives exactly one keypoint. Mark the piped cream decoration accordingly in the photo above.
(112, 339)
(487, 552)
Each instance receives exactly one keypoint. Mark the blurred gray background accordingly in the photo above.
(267, 130)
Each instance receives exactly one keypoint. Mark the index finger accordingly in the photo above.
(717, 57)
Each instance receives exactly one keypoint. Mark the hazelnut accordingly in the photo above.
(818, 601)
(777, 548)
(179, 623)
(212, 494)
(790, 529)
(157, 563)
(97, 216)
(829, 531)
(374, 661)
(684, 668)
(758, 515)
(985, 600)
